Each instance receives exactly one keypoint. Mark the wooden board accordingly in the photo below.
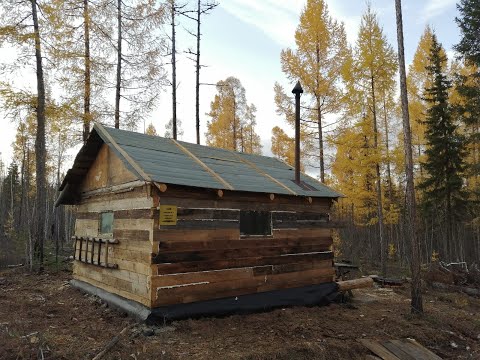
(407, 349)
(259, 202)
(106, 170)
(193, 266)
(236, 273)
(114, 290)
(205, 290)
(195, 235)
(231, 254)
(249, 242)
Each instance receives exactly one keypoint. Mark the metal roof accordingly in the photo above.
(157, 159)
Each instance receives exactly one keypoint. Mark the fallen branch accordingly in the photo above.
(14, 266)
(111, 343)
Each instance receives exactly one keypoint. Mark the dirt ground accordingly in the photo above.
(42, 317)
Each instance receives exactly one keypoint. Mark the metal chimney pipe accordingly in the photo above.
(297, 90)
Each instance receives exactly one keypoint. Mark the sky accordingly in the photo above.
(244, 38)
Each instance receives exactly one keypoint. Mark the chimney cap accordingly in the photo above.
(298, 88)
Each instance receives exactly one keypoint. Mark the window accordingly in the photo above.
(255, 223)
(106, 223)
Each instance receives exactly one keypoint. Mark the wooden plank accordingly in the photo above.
(133, 214)
(87, 215)
(300, 224)
(415, 349)
(236, 273)
(205, 291)
(210, 255)
(231, 201)
(396, 348)
(378, 349)
(133, 224)
(242, 243)
(133, 239)
(300, 233)
(299, 215)
(204, 224)
(195, 235)
(115, 253)
(116, 204)
(207, 213)
(192, 266)
(128, 295)
(194, 194)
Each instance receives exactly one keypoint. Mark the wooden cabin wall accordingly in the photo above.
(106, 189)
(204, 256)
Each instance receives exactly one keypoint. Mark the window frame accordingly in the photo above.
(269, 224)
(100, 222)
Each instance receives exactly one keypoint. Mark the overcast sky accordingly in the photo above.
(244, 38)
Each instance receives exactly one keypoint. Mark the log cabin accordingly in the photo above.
(171, 229)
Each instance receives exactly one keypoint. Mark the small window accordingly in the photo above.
(255, 223)
(106, 223)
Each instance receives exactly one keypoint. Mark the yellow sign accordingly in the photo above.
(168, 215)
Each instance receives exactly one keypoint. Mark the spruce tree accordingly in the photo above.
(444, 198)
(468, 87)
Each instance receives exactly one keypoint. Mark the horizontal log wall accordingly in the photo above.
(204, 256)
(133, 228)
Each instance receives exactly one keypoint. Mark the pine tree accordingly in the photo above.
(444, 197)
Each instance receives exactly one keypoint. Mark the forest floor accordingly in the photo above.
(42, 316)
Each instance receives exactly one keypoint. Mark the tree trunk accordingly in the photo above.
(174, 74)
(387, 146)
(234, 122)
(383, 247)
(416, 292)
(87, 86)
(320, 141)
(40, 151)
(197, 84)
(119, 65)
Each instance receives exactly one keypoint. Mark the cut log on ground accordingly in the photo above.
(388, 282)
(355, 284)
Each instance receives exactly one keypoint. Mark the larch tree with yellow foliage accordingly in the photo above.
(317, 61)
(374, 67)
(232, 124)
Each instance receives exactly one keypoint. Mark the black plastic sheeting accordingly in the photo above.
(312, 295)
